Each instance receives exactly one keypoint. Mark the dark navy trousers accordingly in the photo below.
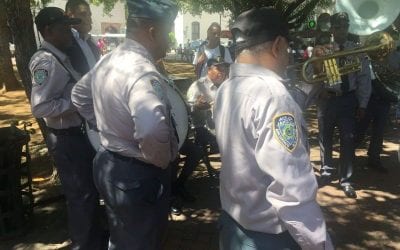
(73, 156)
(338, 111)
(377, 114)
(232, 236)
(136, 195)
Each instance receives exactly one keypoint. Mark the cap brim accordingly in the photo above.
(220, 64)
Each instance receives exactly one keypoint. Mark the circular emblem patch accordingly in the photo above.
(40, 76)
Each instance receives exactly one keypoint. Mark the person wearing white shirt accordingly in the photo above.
(211, 49)
(52, 81)
(200, 96)
(126, 98)
(267, 184)
(84, 52)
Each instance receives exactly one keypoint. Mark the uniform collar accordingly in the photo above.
(132, 45)
(242, 69)
(210, 83)
(46, 45)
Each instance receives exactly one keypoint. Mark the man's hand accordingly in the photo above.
(320, 50)
(201, 103)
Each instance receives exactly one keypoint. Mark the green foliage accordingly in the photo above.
(39, 3)
(172, 39)
(296, 11)
(108, 4)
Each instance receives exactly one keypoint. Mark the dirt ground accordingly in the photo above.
(372, 221)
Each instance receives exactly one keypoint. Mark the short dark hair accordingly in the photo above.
(134, 24)
(72, 5)
(212, 25)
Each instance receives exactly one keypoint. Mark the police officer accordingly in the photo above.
(52, 80)
(132, 114)
(83, 53)
(267, 184)
(201, 95)
(340, 106)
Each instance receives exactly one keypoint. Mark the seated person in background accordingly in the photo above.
(201, 96)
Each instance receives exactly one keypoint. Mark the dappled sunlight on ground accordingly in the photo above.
(372, 221)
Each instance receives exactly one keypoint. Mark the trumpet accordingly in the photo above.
(377, 46)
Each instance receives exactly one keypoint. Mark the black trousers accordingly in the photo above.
(338, 111)
(377, 115)
(136, 195)
(73, 156)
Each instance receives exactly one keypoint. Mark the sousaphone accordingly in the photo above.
(369, 16)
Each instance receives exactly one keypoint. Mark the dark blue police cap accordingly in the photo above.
(339, 18)
(159, 10)
(219, 61)
(52, 15)
(257, 26)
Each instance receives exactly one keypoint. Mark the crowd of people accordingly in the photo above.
(240, 105)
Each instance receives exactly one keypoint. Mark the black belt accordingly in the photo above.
(334, 93)
(132, 160)
(67, 131)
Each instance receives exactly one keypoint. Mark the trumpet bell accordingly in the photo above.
(380, 45)
(369, 16)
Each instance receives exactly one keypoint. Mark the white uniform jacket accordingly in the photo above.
(52, 82)
(127, 96)
(267, 183)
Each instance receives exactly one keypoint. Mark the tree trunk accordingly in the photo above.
(7, 76)
(20, 21)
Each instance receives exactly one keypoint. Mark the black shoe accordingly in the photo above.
(349, 191)
(176, 207)
(176, 210)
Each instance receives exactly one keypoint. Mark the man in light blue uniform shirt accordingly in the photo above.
(53, 78)
(268, 187)
(125, 97)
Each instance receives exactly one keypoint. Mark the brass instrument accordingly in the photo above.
(377, 47)
(367, 17)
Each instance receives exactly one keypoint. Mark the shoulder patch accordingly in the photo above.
(40, 76)
(285, 131)
(158, 89)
